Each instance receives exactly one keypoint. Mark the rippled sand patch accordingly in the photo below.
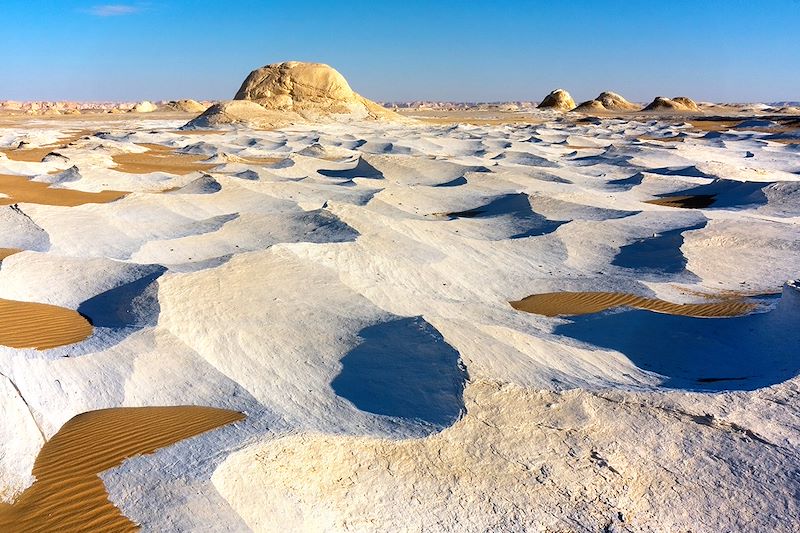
(697, 201)
(68, 495)
(35, 155)
(159, 158)
(582, 303)
(40, 326)
(710, 124)
(5, 252)
(20, 189)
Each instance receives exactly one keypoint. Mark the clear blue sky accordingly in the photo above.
(726, 50)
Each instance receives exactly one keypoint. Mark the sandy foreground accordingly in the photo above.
(467, 322)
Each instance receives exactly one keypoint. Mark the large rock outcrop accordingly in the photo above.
(287, 93)
(308, 89)
(559, 100)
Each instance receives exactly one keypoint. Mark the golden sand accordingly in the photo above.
(35, 155)
(698, 201)
(582, 303)
(713, 125)
(159, 158)
(40, 326)
(20, 189)
(674, 139)
(68, 495)
(5, 252)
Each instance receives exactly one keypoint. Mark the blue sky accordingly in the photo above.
(732, 50)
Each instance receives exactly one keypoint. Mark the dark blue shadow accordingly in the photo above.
(404, 368)
(132, 305)
(516, 208)
(660, 254)
(707, 354)
(362, 169)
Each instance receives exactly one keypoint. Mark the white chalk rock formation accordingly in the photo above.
(606, 101)
(281, 94)
(679, 103)
(309, 89)
(559, 100)
(187, 106)
(243, 113)
(144, 107)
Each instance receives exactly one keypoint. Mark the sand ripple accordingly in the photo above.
(40, 326)
(582, 303)
(68, 495)
(20, 189)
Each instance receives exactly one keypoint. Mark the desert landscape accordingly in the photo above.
(303, 310)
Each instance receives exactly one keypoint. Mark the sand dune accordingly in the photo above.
(40, 326)
(67, 494)
(581, 303)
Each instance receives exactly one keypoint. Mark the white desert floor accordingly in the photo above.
(349, 293)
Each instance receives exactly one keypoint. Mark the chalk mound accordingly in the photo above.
(144, 107)
(558, 99)
(616, 102)
(308, 89)
(243, 113)
(187, 106)
(606, 101)
(679, 103)
(591, 106)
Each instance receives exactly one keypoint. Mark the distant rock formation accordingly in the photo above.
(558, 99)
(144, 107)
(187, 106)
(616, 102)
(308, 89)
(281, 94)
(679, 103)
(606, 101)
(591, 106)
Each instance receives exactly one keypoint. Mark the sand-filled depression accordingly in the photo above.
(538, 324)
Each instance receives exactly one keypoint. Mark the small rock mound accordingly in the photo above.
(186, 106)
(591, 106)
(606, 101)
(679, 103)
(243, 113)
(615, 102)
(558, 99)
(308, 89)
(144, 107)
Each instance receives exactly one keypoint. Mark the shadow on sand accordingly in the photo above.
(708, 354)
